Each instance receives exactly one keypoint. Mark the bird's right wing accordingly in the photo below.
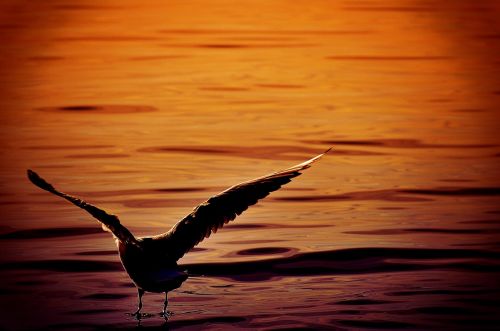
(211, 215)
(109, 222)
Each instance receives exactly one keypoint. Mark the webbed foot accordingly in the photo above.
(138, 315)
(166, 314)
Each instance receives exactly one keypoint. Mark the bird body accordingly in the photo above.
(151, 262)
(148, 268)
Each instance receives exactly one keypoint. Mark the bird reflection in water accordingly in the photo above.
(151, 262)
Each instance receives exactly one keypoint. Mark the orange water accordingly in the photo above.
(146, 109)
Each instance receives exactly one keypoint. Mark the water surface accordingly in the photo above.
(147, 109)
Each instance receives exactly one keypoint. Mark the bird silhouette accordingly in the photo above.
(151, 262)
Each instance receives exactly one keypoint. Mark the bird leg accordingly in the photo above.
(137, 313)
(165, 313)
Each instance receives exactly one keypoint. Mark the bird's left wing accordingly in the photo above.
(109, 222)
(211, 215)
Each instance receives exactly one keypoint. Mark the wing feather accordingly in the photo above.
(224, 207)
(109, 222)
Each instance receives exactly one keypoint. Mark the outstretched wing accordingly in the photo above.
(109, 222)
(211, 215)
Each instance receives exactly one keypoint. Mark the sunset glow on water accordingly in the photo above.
(148, 109)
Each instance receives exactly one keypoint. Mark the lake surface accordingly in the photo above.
(147, 109)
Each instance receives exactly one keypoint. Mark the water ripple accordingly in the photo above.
(346, 261)
(277, 152)
(400, 194)
(50, 233)
(397, 143)
(100, 109)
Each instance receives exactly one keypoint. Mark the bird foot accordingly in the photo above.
(166, 314)
(138, 316)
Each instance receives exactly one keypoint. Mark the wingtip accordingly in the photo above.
(321, 155)
(314, 159)
(38, 181)
(307, 164)
(31, 174)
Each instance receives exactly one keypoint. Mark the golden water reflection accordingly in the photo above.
(148, 109)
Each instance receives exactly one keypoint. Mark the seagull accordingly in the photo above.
(151, 262)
